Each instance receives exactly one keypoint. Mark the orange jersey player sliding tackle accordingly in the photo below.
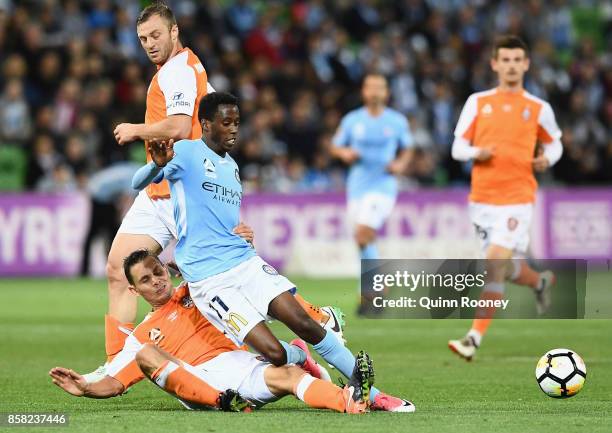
(499, 129)
(180, 351)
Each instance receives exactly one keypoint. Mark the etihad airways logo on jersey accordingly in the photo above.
(223, 194)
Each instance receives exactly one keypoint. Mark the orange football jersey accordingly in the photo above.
(178, 328)
(177, 88)
(513, 123)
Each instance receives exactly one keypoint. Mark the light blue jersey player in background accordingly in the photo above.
(375, 142)
(229, 283)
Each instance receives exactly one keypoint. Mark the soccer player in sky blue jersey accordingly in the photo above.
(375, 142)
(232, 286)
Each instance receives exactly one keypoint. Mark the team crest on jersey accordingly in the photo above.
(155, 335)
(186, 301)
(210, 169)
(237, 175)
(269, 270)
(512, 223)
(526, 114)
(487, 109)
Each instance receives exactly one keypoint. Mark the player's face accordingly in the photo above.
(510, 65)
(375, 90)
(224, 128)
(157, 39)
(152, 281)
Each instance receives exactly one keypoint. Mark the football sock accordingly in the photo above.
(370, 251)
(320, 394)
(524, 275)
(177, 381)
(334, 352)
(312, 310)
(484, 316)
(115, 334)
(295, 355)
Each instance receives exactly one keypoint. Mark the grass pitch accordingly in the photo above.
(49, 322)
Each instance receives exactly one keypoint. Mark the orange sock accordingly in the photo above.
(320, 394)
(484, 315)
(313, 311)
(526, 275)
(115, 334)
(179, 382)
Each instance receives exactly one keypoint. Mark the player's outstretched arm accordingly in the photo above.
(162, 152)
(175, 127)
(75, 384)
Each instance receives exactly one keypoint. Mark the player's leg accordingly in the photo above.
(148, 224)
(329, 317)
(168, 373)
(321, 394)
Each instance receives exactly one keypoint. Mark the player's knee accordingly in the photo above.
(364, 237)
(114, 272)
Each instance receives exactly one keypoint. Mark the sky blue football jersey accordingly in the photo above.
(377, 139)
(206, 194)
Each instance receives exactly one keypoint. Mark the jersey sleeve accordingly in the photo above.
(176, 167)
(467, 120)
(178, 84)
(123, 367)
(548, 130)
(405, 136)
(342, 136)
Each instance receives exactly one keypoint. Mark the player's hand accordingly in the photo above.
(540, 163)
(485, 153)
(396, 168)
(125, 133)
(245, 232)
(69, 380)
(161, 151)
(349, 156)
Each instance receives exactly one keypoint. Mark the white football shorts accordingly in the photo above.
(150, 217)
(238, 370)
(371, 209)
(505, 225)
(236, 300)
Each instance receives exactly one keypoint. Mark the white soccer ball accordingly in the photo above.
(560, 373)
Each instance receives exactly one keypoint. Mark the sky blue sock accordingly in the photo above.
(332, 350)
(370, 251)
(295, 355)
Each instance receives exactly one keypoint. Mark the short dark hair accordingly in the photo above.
(210, 104)
(156, 8)
(509, 41)
(133, 259)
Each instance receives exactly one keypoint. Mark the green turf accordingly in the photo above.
(59, 322)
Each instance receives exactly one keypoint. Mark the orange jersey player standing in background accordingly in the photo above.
(499, 130)
(185, 355)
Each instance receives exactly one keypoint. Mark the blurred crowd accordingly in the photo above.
(71, 70)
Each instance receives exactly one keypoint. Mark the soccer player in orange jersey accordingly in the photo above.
(498, 130)
(172, 100)
(184, 354)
